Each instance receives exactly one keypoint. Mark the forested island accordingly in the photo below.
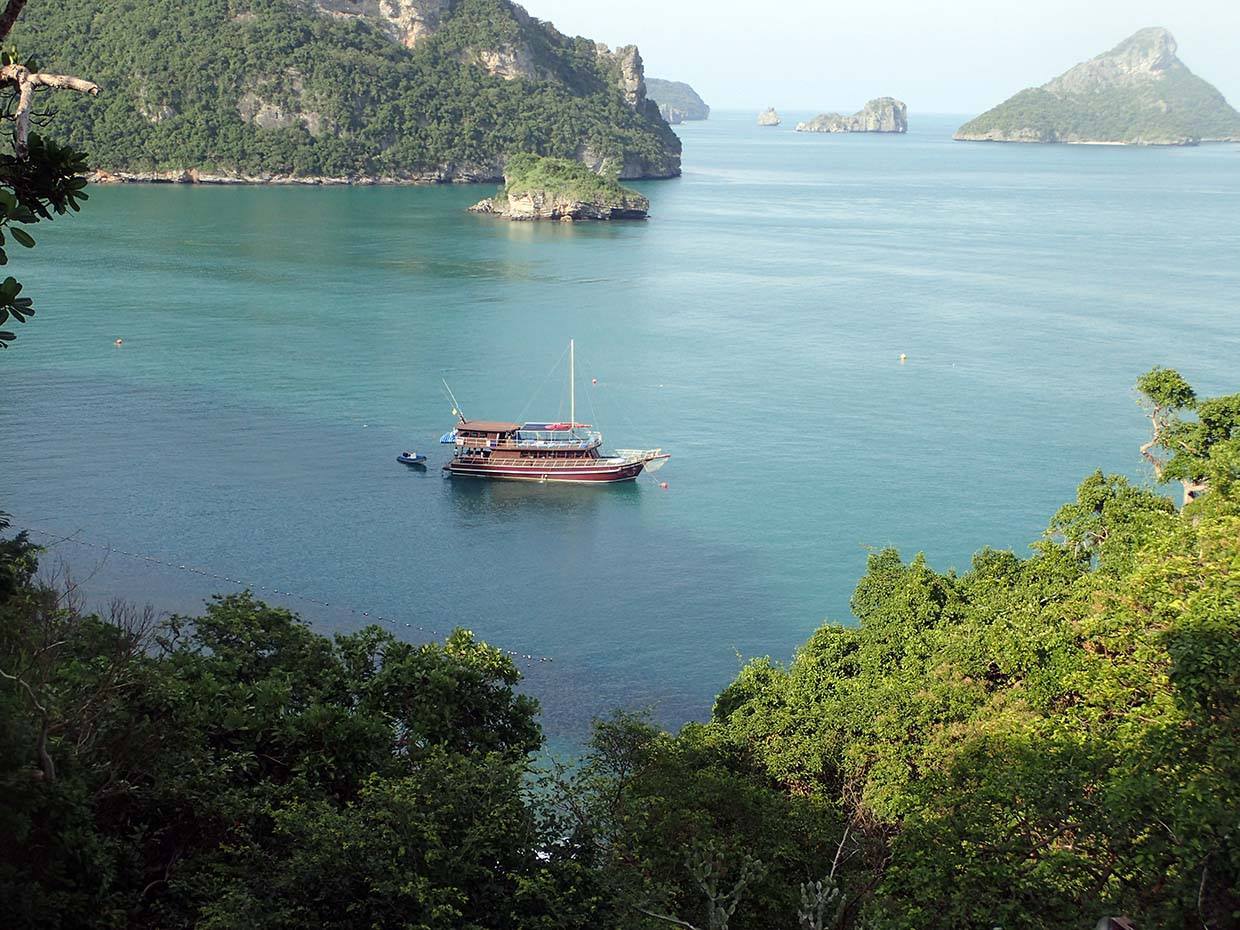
(1138, 93)
(677, 101)
(343, 91)
(1037, 741)
(560, 189)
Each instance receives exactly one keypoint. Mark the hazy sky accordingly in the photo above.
(954, 56)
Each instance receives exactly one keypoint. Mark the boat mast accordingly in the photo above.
(572, 389)
(456, 408)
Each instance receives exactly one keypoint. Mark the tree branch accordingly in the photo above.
(12, 10)
(840, 849)
(26, 81)
(1155, 439)
(670, 920)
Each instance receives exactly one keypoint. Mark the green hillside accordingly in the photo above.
(1137, 93)
(280, 87)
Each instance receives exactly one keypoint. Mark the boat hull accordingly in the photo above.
(575, 474)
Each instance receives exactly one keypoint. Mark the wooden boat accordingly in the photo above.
(547, 451)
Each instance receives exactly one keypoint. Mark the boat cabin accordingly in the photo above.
(526, 440)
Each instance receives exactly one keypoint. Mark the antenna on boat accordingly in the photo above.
(456, 408)
(572, 389)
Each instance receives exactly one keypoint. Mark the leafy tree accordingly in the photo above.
(1033, 743)
(239, 769)
(1198, 452)
(38, 178)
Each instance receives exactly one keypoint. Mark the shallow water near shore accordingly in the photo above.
(282, 345)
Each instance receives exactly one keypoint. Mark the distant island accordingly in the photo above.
(340, 91)
(768, 117)
(1138, 93)
(882, 114)
(542, 188)
(677, 101)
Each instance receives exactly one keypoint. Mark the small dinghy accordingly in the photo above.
(411, 458)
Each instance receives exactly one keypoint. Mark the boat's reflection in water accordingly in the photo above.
(484, 500)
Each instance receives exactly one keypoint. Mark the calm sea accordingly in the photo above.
(281, 346)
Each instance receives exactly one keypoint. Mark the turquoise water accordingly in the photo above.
(282, 345)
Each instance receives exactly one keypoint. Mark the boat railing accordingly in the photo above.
(542, 464)
(591, 441)
(639, 453)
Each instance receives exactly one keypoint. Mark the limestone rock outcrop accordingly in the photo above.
(545, 205)
(768, 117)
(882, 114)
(626, 63)
(406, 21)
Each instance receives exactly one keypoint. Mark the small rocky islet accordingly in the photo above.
(882, 114)
(544, 188)
(768, 117)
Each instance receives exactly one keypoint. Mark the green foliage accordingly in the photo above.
(342, 98)
(238, 769)
(652, 811)
(1108, 508)
(1199, 439)
(565, 177)
(1034, 743)
(1166, 387)
(46, 183)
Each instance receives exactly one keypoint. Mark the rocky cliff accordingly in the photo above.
(1138, 93)
(768, 117)
(677, 100)
(882, 114)
(332, 90)
(406, 21)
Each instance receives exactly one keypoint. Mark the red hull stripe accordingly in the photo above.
(585, 475)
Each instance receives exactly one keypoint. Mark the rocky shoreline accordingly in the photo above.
(543, 205)
(194, 176)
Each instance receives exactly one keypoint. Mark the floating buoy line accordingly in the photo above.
(56, 538)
